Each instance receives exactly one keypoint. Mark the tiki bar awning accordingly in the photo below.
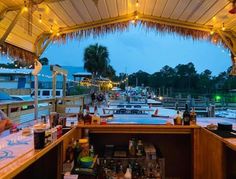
(27, 27)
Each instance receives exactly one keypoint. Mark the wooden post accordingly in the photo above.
(64, 85)
(35, 97)
(54, 83)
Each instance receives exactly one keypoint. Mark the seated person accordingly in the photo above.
(5, 122)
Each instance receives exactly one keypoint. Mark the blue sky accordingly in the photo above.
(136, 49)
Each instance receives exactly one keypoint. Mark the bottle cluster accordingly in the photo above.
(187, 118)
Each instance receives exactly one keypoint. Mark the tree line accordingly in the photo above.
(184, 78)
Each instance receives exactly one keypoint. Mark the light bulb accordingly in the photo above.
(133, 21)
(40, 18)
(212, 32)
(223, 27)
(137, 3)
(51, 29)
(25, 9)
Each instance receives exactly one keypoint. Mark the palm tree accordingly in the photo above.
(96, 59)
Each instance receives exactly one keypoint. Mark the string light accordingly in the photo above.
(212, 32)
(51, 31)
(58, 34)
(223, 27)
(25, 7)
(133, 21)
(40, 18)
(137, 3)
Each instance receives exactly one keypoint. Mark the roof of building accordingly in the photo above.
(15, 71)
(82, 74)
(67, 19)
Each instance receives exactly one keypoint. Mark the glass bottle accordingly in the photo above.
(178, 119)
(132, 150)
(80, 116)
(76, 152)
(87, 117)
(140, 148)
(120, 173)
(186, 115)
(91, 151)
(128, 174)
(193, 117)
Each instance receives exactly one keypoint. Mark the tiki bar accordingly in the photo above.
(121, 135)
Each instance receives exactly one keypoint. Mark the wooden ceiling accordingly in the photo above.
(57, 15)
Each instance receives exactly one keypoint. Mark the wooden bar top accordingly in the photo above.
(155, 129)
(18, 156)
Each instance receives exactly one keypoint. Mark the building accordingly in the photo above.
(15, 78)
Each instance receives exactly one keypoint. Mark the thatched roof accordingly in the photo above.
(59, 20)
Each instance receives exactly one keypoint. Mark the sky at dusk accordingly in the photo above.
(136, 49)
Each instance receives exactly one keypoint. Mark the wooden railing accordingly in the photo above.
(23, 111)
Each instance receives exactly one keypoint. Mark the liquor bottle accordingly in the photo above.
(120, 173)
(186, 115)
(87, 117)
(193, 117)
(91, 151)
(140, 148)
(76, 152)
(128, 174)
(80, 116)
(136, 171)
(70, 152)
(178, 119)
(132, 147)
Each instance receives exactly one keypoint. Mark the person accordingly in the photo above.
(5, 122)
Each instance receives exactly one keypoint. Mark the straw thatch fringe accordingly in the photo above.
(94, 32)
(149, 25)
(17, 53)
(26, 56)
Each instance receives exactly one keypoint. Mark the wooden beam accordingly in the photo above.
(42, 43)
(11, 26)
(58, 70)
(231, 44)
(8, 9)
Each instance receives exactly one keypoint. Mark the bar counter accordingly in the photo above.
(189, 151)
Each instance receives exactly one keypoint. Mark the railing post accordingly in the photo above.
(35, 96)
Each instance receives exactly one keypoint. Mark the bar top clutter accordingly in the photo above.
(17, 151)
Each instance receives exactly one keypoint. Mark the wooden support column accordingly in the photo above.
(57, 70)
(54, 83)
(64, 85)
